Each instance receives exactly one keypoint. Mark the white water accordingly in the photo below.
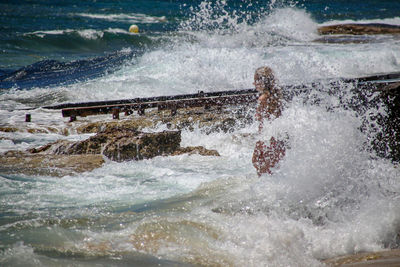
(132, 18)
(328, 197)
(90, 34)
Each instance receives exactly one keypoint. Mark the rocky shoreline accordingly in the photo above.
(134, 136)
(356, 32)
(359, 29)
(131, 138)
(117, 140)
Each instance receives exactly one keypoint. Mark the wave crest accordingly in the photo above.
(132, 18)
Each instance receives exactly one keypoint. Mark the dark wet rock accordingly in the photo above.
(133, 123)
(347, 39)
(117, 140)
(196, 150)
(125, 139)
(128, 146)
(377, 104)
(387, 141)
(359, 29)
(383, 126)
(227, 126)
(8, 129)
(211, 120)
(36, 130)
(122, 144)
(116, 143)
(42, 148)
(93, 145)
(45, 164)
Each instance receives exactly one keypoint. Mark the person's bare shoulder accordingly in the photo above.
(262, 97)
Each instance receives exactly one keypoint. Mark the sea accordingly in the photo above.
(330, 196)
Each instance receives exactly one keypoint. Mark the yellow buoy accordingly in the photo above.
(134, 29)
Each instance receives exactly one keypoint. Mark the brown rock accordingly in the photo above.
(121, 144)
(116, 143)
(93, 145)
(387, 140)
(40, 149)
(359, 29)
(142, 146)
(196, 150)
(117, 140)
(380, 259)
(65, 157)
(44, 164)
(8, 129)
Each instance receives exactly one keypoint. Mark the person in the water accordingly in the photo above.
(270, 105)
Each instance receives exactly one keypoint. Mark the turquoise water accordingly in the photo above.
(330, 196)
(70, 30)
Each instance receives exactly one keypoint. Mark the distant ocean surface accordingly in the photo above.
(69, 30)
(331, 196)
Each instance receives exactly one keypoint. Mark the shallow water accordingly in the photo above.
(330, 196)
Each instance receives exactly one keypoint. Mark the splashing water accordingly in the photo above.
(330, 196)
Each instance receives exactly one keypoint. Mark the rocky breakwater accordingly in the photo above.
(114, 143)
(359, 29)
(356, 32)
(123, 144)
(387, 140)
(133, 137)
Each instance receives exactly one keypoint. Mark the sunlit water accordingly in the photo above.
(329, 196)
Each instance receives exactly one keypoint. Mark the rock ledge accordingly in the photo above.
(116, 143)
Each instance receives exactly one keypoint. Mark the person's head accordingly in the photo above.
(264, 80)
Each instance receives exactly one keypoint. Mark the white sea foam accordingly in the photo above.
(225, 60)
(85, 33)
(132, 18)
(292, 23)
(392, 21)
(326, 198)
(330, 196)
(188, 68)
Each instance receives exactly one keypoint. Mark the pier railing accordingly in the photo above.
(172, 103)
(200, 99)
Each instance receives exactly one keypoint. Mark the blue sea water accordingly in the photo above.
(330, 196)
(35, 31)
